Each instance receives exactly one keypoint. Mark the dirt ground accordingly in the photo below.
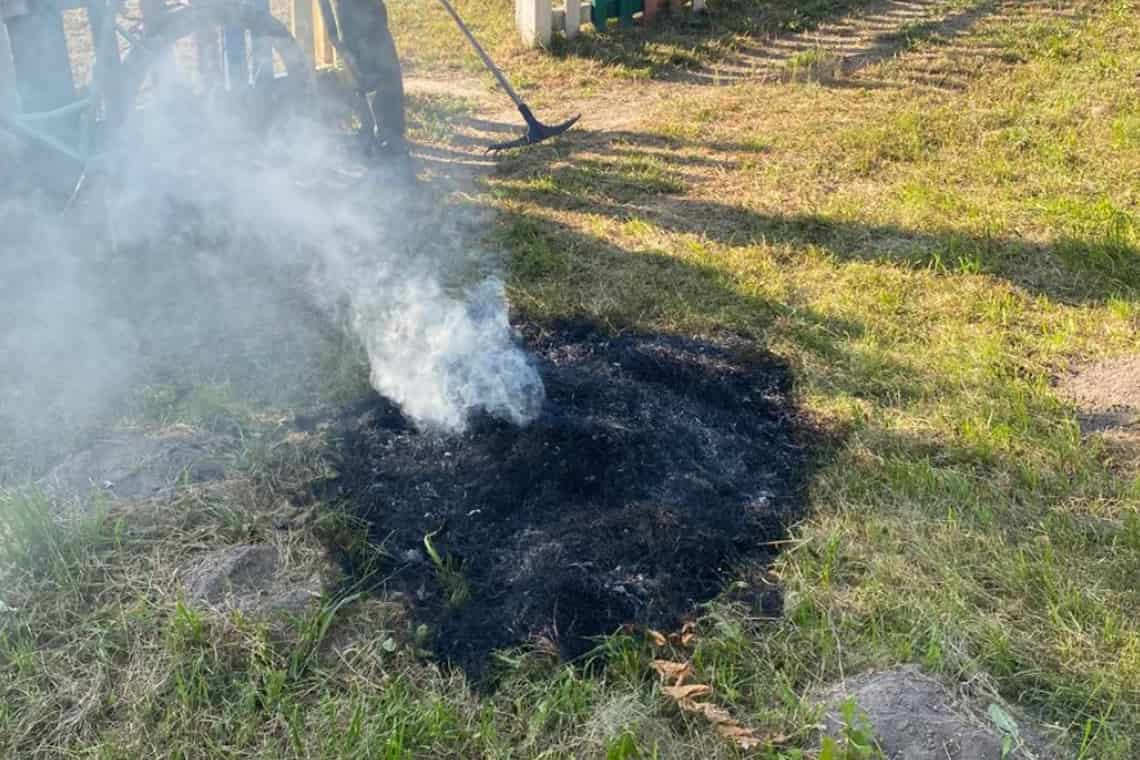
(656, 464)
(913, 716)
(1107, 397)
(251, 578)
(135, 466)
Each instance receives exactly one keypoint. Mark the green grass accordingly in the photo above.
(967, 248)
(927, 259)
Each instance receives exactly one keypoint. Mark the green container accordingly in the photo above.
(626, 9)
(602, 11)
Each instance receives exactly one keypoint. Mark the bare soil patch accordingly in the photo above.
(1107, 393)
(656, 464)
(916, 717)
(1107, 396)
(135, 466)
(251, 578)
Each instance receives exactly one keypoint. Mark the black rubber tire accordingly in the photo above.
(297, 87)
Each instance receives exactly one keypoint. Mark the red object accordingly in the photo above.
(650, 10)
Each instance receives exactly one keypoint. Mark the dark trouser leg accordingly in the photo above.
(388, 105)
(364, 31)
(388, 98)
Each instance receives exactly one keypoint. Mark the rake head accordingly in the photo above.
(536, 131)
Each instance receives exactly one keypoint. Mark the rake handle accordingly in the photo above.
(483, 54)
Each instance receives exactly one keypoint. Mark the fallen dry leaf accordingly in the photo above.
(743, 737)
(687, 636)
(685, 695)
(672, 671)
(686, 692)
(657, 638)
(712, 712)
(724, 723)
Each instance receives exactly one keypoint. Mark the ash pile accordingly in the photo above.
(655, 465)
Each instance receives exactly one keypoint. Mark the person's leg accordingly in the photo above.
(364, 32)
(388, 97)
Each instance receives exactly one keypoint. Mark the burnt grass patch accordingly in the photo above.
(657, 464)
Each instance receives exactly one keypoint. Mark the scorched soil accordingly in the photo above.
(656, 465)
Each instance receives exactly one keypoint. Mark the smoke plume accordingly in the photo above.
(204, 235)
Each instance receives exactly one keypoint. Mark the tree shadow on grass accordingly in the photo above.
(835, 55)
(628, 176)
(561, 269)
(676, 44)
(829, 41)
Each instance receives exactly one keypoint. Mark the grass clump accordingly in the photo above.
(33, 538)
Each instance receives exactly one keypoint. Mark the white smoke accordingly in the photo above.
(440, 358)
(441, 353)
(249, 226)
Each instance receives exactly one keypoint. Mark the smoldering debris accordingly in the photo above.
(212, 253)
(435, 330)
(653, 465)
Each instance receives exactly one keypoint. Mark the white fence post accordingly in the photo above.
(573, 18)
(534, 20)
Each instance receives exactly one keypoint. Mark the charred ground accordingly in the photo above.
(656, 464)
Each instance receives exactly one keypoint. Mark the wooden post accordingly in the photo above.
(308, 26)
(324, 54)
(9, 95)
(573, 18)
(533, 18)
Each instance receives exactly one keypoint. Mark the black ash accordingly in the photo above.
(656, 464)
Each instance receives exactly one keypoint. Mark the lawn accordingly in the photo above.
(929, 243)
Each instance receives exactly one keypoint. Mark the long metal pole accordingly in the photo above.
(483, 54)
